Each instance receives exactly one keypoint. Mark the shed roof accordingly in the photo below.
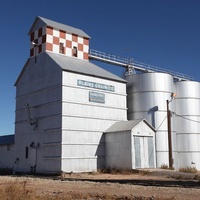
(7, 139)
(75, 65)
(57, 25)
(127, 125)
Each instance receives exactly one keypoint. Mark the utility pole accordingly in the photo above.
(169, 135)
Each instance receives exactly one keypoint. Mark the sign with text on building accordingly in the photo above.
(95, 85)
(96, 97)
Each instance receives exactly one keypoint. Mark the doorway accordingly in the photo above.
(144, 152)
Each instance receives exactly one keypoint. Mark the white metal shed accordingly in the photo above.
(130, 145)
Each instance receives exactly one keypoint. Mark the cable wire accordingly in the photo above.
(161, 123)
(186, 118)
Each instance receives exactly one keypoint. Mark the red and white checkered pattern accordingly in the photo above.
(50, 39)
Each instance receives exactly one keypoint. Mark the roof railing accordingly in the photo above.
(130, 62)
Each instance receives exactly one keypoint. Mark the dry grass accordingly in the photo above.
(145, 172)
(19, 191)
(124, 171)
(165, 166)
(188, 170)
(197, 177)
(15, 191)
(117, 171)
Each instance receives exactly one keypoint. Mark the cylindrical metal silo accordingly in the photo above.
(147, 95)
(188, 123)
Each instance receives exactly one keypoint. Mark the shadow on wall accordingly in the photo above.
(152, 112)
(100, 153)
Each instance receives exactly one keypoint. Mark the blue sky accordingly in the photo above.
(164, 33)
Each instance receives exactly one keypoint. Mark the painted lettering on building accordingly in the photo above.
(95, 85)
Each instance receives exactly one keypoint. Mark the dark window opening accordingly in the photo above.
(61, 50)
(26, 154)
(32, 36)
(8, 147)
(74, 51)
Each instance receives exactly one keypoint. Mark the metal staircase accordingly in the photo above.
(133, 66)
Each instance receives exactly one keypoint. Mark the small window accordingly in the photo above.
(61, 50)
(8, 147)
(74, 51)
(26, 153)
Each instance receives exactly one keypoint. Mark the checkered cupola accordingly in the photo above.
(48, 38)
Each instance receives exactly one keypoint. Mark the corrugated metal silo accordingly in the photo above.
(147, 95)
(188, 123)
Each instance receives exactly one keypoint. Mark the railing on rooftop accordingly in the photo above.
(131, 63)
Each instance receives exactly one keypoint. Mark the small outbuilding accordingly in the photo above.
(130, 145)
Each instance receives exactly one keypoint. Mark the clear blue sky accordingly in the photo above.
(164, 33)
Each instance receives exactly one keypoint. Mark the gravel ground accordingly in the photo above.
(152, 185)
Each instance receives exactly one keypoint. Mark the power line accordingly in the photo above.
(161, 123)
(177, 116)
(186, 118)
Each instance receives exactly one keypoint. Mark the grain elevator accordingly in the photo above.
(72, 115)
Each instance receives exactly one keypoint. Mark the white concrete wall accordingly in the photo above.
(83, 122)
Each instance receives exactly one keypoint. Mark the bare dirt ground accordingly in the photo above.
(156, 184)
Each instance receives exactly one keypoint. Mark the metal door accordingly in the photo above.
(151, 152)
(144, 152)
(137, 152)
